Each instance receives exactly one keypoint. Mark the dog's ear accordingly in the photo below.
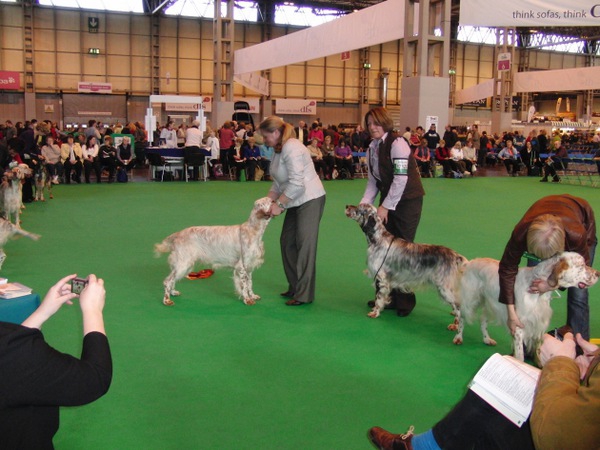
(369, 223)
(560, 266)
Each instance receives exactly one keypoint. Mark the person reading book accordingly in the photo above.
(36, 379)
(565, 411)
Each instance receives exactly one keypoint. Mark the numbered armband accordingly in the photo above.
(400, 166)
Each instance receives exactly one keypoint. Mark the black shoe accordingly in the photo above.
(405, 303)
(287, 294)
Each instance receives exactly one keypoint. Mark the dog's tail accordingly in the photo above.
(163, 247)
(22, 232)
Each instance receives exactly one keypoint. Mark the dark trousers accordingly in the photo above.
(299, 237)
(88, 166)
(475, 425)
(55, 169)
(403, 223)
(76, 168)
(512, 165)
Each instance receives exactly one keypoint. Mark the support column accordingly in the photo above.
(425, 82)
(155, 38)
(28, 61)
(223, 39)
(502, 113)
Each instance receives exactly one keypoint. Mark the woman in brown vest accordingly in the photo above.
(394, 175)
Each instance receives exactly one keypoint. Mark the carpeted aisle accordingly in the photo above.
(212, 373)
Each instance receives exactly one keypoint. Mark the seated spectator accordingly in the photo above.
(564, 415)
(107, 158)
(90, 159)
(72, 157)
(531, 159)
(470, 156)
(37, 379)
(343, 158)
(51, 154)
(561, 155)
(212, 143)
(169, 134)
(597, 159)
(266, 155)
(317, 158)
(124, 154)
(251, 154)
(423, 157)
(328, 152)
(458, 159)
(442, 156)
(510, 158)
(552, 164)
(237, 161)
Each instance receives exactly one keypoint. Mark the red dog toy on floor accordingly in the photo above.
(200, 274)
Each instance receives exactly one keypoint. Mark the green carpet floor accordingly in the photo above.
(212, 373)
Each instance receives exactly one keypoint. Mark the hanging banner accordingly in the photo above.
(10, 80)
(95, 88)
(293, 106)
(526, 13)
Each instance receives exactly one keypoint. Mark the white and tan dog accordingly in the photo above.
(394, 263)
(239, 247)
(480, 290)
(7, 231)
(11, 193)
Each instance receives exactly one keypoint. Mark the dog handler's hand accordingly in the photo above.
(513, 320)
(383, 214)
(539, 286)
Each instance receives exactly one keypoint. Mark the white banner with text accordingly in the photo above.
(526, 13)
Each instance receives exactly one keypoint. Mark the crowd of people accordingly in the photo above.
(567, 398)
(68, 154)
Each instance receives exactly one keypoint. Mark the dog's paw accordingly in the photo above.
(489, 341)
(255, 297)
(373, 314)
(249, 301)
(453, 327)
(175, 293)
(168, 302)
(458, 340)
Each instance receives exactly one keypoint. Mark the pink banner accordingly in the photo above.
(10, 80)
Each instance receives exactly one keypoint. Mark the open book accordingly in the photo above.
(12, 290)
(508, 385)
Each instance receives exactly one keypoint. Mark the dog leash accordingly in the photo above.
(384, 258)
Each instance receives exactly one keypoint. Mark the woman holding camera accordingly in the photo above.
(36, 379)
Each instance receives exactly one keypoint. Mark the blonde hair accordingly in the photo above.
(546, 236)
(274, 123)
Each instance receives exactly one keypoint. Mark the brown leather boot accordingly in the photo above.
(384, 440)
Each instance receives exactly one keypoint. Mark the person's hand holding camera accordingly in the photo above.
(57, 295)
(91, 301)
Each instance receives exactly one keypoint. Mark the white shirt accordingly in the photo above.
(170, 136)
(294, 174)
(193, 137)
